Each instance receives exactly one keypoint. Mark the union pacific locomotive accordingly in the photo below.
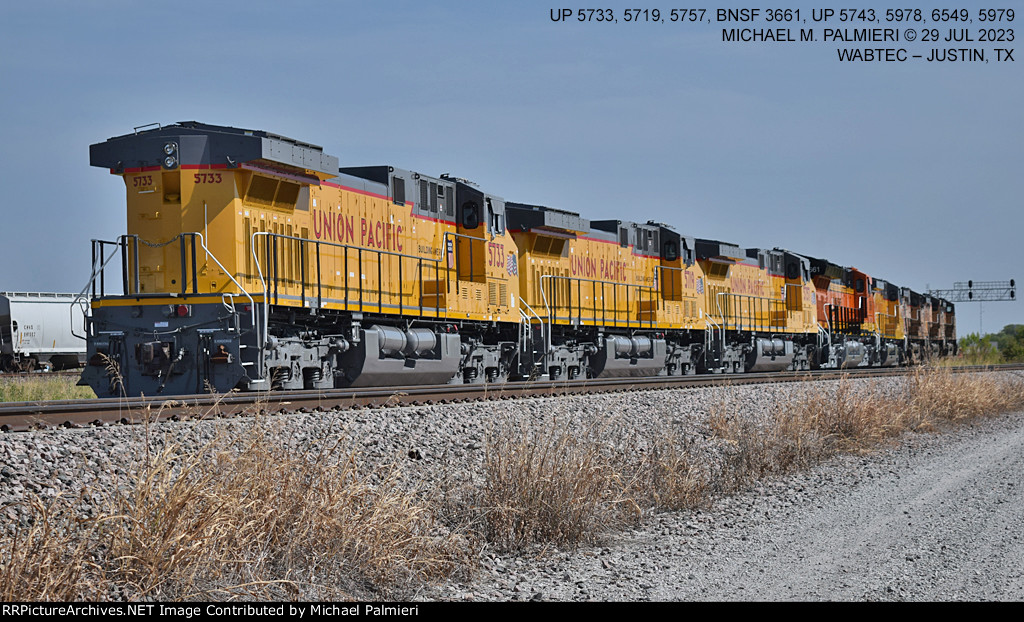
(252, 261)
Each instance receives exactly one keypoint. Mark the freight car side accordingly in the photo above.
(36, 330)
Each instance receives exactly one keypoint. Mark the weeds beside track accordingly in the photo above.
(251, 516)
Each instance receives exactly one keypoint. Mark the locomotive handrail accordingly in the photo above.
(444, 255)
(708, 335)
(738, 316)
(640, 289)
(878, 324)
(547, 333)
(202, 242)
(721, 316)
(828, 336)
(271, 250)
(657, 270)
(303, 242)
(100, 271)
(194, 235)
(79, 302)
(544, 297)
(845, 321)
(139, 127)
(123, 242)
(96, 271)
(530, 309)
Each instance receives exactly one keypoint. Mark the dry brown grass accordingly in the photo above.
(802, 429)
(241, 517)
(52, 556)
(567, 484)
(551, 484)
(814, 424)
(674, 474)
(942, 395)
(254, 517)
(564, 485)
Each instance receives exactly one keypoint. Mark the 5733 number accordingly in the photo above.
(207, 178)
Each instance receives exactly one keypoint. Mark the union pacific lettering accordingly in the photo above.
(334, 227)
(585, 267)
(381, 235)
(599, 269)
(343, 229)
(746, 285)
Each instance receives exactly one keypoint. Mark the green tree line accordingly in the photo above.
(1006, 346)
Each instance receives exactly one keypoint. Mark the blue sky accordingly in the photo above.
(910, 171)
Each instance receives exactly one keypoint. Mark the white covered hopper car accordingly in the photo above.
(36, 331)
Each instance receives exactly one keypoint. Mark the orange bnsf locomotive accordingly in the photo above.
(253, 261)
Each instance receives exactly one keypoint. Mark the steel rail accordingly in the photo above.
(23, 416)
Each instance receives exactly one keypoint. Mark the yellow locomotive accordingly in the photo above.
(606, 298)
(760, 308)
(253, 261)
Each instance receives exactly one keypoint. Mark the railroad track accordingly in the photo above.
(23, 416)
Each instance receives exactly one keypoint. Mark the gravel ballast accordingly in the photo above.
(938, 517)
